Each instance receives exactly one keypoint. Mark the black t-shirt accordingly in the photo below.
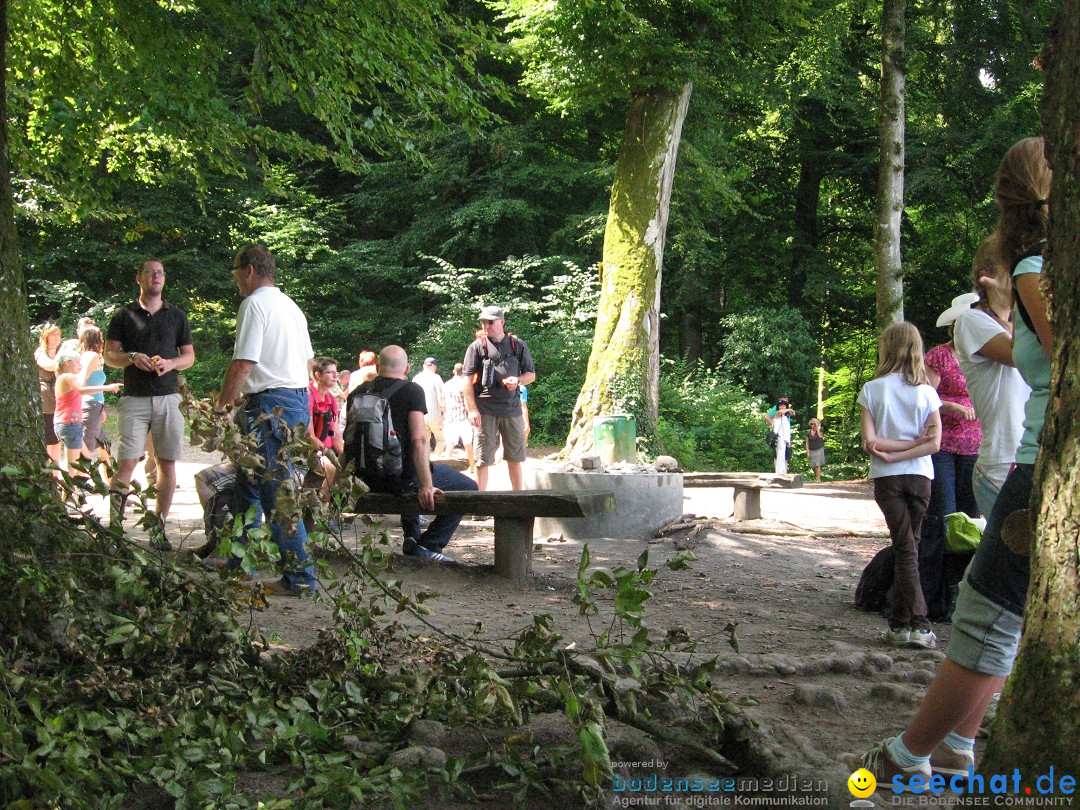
(162, 334)
(409, 397)
(512, 359)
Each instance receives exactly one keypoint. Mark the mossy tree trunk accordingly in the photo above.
(1039, 720)
(19, 436)
(624, 367)
(891, 113)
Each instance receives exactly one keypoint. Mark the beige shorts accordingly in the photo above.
(512, 431)
(138, 416)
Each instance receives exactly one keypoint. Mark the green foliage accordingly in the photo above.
(708, 423)
(549, 303)
(126, 679)
(586, 55)
(104, 93)
(772, 352)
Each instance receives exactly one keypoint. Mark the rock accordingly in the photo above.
(427, 733)
(626, 744)
(418, 756)
(877, 662)
(826, 697)
(895, 692)
(666, 464)
(591, 462)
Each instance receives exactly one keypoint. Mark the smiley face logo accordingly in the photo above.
(861, 783)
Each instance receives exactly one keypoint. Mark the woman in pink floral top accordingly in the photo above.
(950, 490)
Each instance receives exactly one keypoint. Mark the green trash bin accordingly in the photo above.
(615, 438)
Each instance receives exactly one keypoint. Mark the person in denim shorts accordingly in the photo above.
(990, 609)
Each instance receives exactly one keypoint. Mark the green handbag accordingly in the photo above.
(962, 534)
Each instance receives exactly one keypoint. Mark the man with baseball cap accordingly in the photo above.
(495, 365)
(432, 383)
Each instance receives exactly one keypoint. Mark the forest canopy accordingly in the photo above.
(405, 166)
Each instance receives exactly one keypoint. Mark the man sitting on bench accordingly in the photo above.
(407, 409)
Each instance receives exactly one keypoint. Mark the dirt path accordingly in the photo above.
(810, 668)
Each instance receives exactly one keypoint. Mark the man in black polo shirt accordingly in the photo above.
(151, 340)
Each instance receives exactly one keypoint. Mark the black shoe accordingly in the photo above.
(408, 546)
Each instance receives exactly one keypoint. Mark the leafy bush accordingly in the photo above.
(709, 423)
(126, 681)
(771, 352)
(549, 302)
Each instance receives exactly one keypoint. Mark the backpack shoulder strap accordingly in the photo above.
(393, 389)
(1035, 251)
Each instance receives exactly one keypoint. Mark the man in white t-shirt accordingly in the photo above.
(432, 383)
(270, 369)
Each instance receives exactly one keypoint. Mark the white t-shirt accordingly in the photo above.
(900, 412)
(272, 331)
(432, 384)
(998, 392)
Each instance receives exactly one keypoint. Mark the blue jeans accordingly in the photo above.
(442, 528)
(295, 560)
(950, 491)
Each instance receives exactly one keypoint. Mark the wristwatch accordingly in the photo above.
(131, 356)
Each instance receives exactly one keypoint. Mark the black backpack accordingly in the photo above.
(872, 592)
(370, 438)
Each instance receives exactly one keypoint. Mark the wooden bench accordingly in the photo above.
(747, 487)
(514, 514)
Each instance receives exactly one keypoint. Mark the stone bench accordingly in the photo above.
(747, 487)
(514, 514)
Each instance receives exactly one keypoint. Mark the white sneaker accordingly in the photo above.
(898, 636)
(922, 638)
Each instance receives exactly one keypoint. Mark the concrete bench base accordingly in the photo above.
(514, 513)
(747, 488)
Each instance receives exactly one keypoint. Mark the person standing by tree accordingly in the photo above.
(45, 358)
(815, 447)
(271, 366)
(495, 365)
(901, 429)
(151, 340)
(778, 418)
(990, 610)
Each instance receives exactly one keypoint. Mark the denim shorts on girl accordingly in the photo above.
(70, 433)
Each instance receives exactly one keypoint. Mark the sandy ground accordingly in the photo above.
(810, 667)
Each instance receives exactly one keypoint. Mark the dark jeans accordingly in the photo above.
(903, 500)
(995, 572)
(295, 560)
(950, 491)
(442, 528)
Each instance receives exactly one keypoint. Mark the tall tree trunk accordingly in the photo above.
(1038, 723)
(19, 419)
(890, 279)
(624, 366)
